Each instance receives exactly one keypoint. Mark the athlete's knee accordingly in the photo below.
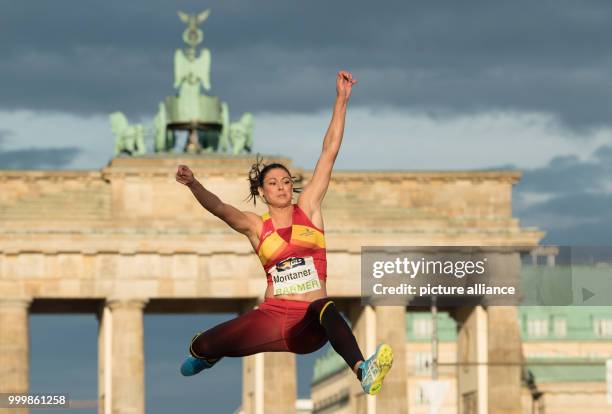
(199, 346)
(323, 307)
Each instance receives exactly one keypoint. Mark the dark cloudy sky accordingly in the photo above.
(442, 85)
(461, 57)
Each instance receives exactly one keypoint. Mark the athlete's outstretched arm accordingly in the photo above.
(312, 196)
(242, 221)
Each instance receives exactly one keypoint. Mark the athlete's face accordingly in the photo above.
(277, 187)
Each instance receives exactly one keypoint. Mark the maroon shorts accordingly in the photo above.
(277, 325)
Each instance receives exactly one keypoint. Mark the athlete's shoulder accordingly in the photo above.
(254, 217)
(312, 217)
(255, 223)
(303, 209)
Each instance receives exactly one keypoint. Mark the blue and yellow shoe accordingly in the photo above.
(374, 369)
(192, 366)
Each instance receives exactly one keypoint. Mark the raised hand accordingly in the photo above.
(184, 175)
(344, 84)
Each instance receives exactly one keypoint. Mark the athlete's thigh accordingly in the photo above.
(255, 331)
(307, 335)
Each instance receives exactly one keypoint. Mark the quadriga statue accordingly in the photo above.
(129, 139)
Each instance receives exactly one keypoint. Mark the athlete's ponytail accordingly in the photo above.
(258, 173)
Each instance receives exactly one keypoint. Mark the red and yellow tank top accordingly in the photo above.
(294, 258)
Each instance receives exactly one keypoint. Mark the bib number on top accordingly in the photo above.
(295, 275)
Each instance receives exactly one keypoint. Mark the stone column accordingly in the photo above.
(104, 360)
(472, 359)
(252, 375)
(505, 355)
(278, 371)
(391, 328)
(269, 383)
(252, 384)
(127, 389)
(504, 340)
(14, 349)
(363, 322)
(280, 375)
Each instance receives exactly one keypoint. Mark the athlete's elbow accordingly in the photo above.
(330, 151)
(217, 209)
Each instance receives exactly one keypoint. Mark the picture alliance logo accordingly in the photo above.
(413, 268)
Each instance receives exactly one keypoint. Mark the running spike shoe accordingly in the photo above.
(374, 369)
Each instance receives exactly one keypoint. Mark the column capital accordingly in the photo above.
(126, 303)
(23, 303)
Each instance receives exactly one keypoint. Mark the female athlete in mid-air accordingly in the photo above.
(296, 315)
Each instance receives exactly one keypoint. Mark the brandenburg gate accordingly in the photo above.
(128, 240)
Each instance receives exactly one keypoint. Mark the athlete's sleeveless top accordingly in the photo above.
(295, 265)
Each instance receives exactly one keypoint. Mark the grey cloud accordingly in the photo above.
(4, 134)
(458, 57)
(576, 207)
(604, 155)
(585, 234)
(38, 158)
(580, 219)
(569, 175)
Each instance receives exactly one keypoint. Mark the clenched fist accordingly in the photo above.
(344, 84)
(184, 175)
